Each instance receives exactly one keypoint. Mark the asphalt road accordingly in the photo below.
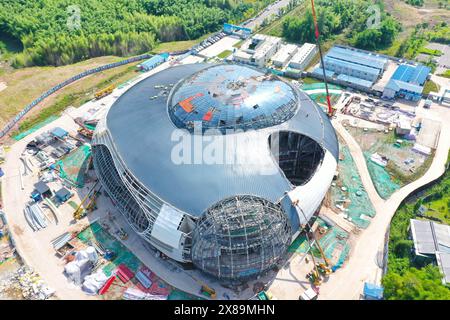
(273, 9)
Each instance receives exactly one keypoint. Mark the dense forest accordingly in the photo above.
(348, 17)
(58, 32)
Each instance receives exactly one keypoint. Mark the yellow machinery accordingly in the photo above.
(323, 267)
(80, 212)
(209, 290)
(104, 92)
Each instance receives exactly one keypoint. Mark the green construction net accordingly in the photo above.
(299, 245)
(34, 128)
(334, 244)
(181, 295)
(96, 233)
(349, 192)
(122, 255)
(319, 85)
(73, 166)
(381, 179)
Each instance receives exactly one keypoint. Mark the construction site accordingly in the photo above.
(98, 205)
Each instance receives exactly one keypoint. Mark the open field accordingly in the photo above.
(25, 85)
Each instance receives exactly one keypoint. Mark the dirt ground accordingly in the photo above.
(383, 143)
(410, 16)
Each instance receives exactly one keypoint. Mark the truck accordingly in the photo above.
(104, 92)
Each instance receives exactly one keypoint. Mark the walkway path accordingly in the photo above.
(364, 263)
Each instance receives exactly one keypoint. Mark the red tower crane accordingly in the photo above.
(317, 34)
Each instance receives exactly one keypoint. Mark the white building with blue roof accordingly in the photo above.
(407, 82)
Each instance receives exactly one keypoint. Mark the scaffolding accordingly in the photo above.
(240, 237)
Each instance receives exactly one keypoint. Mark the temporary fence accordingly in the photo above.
(18, 117)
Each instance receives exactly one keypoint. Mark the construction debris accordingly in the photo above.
(29, 284)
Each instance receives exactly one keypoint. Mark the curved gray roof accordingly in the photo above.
(146, 139)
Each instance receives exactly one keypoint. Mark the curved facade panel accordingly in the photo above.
(232, 219)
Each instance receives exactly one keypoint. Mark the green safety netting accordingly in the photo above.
(96, 233)
(176, 294)
(359, 207)
(73, 166)
(319, 85)
(334, 240)
(381, 178)
(299, 245)
(34, 128)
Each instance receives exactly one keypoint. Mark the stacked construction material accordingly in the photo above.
(106, 286)
(61, 241)
(94, 282)
(136, 294)
(143, 279)
(35, 217)
(124, 273)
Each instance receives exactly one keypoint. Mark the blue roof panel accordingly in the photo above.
(411, 74)
(357, 57)
(351, 65)
(357, 81)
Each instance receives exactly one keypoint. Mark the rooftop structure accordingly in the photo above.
(407, 82)
(432, 239)
(257, 50)
(303, 56)
(355, 65)
(232, 212)
(282, 57)
(231, 97)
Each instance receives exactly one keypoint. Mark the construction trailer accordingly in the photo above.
(232, 29)
(153, 62)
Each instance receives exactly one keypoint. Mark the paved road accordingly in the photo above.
(347, 283)
(254, 24)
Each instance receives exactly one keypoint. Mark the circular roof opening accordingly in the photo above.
(231, 97)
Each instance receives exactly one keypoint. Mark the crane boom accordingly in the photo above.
(317, 35)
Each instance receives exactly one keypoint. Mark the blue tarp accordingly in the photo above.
(59, 132)
(372, 291)
(1, 173)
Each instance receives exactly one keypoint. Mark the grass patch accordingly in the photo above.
(178, 45)
(275, 28)
(446, 74)
(224, 54)
(309, 80)
(430, 86)
(75, 99)
(431, 52)
(237, 45)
